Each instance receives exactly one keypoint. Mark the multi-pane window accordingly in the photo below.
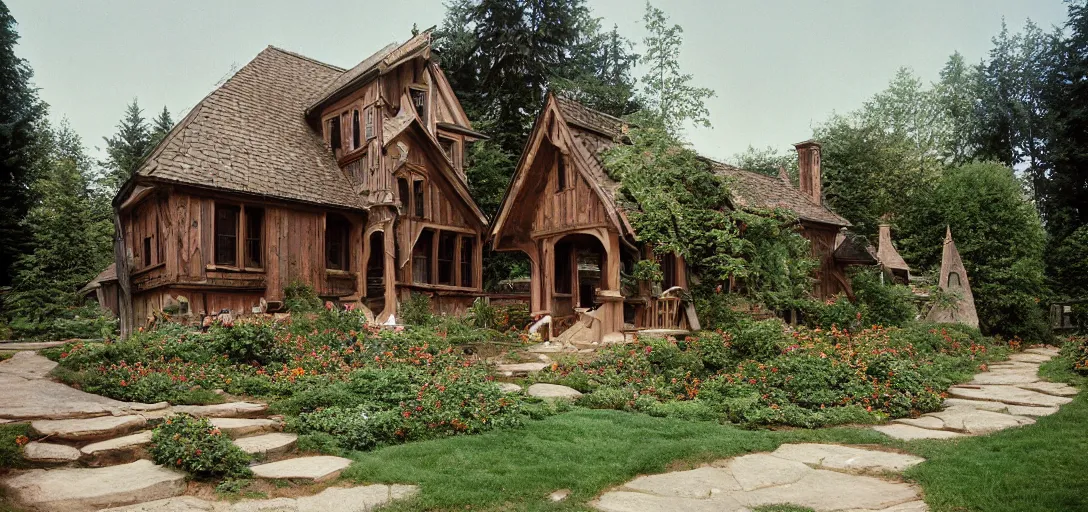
(226, 234)
(468, 244)
(447, 242)
(419, 101)
(254, 233)
(418, 198)
(337, 230)
(421, 257)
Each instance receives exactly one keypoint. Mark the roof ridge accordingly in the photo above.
(563, 96)
(303, 57)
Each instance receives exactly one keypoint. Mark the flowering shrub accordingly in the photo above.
(761, 374)
(325, 367)
(194, 445)
(1077, 348)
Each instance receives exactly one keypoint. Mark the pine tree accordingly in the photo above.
(668, 93)
(160, 127)
(127, 148)
(20, 113)
(71, 238)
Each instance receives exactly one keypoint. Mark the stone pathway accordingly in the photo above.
(1010, 394)
(828, 477)
(94, 449)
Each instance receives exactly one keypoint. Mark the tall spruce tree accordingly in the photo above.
(71, 237)
(128, 147)
(20, 113)
(161, 126)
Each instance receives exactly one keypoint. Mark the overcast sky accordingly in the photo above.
(778, 66)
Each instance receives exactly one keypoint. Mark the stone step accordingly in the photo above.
(87, 489)
(267, 445)
(49, 453)
(116, 451)
(241, 427)
(1050, 388)
(520, 369)
(312, 469)
(89, 429)
(911, 432)
(552, 391)
(227, 410)
(1011, 395)
(365, 498)
(1028, 357)
(1017, 410)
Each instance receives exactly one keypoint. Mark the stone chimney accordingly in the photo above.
(808, 163)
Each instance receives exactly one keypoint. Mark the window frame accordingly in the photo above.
(424, 93)
(247, 215)
(426, 254)
(447, 240)
(219, 238)
(241, 237)
(335, 133)
(356, 134)
(419, 197)
(466, 261)
(561, 178)
(344, 238)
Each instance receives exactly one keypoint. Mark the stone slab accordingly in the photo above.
(1006, 376)
(316, 469)
(760, 470)
(1017, 410)
(1025, 410)
(28, 394)
(267, 445)
(88, 429)
(624, 501)
(830, 490)
(846, 457)
(553, 391)
(1045, 350)
(227, 410)
(49, 453)
(1050, 388)
(520, 369)
(364, 498)
(969, 420)
(1029, 357)
(178, 504)
(19, 346)
(86, 489)
(240, 427)
(928, 422)
(117, 450)
(1011, 395)
(909, 432)
(509, 387)
(910, 506)
(701, 482)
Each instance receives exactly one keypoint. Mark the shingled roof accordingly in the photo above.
(750, 189)
(250, 136)
(598, 131)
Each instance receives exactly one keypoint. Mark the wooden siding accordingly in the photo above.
(822, 246)
(576, 207)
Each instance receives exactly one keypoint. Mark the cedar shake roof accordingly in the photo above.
(386, 58)
(750, 189)
(886, 253)
(598, 131)
(250, 136)
(106, 276)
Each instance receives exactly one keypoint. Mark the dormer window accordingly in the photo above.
(447, 147)
(355, 143)
(418, 95)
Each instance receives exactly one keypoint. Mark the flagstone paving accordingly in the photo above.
(100, 445)
(828, 477)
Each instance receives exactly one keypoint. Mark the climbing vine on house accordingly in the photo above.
(678, 204)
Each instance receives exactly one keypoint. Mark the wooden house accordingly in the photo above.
(561, 210)
(350, 181)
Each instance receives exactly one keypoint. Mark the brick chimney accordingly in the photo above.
(808, 163)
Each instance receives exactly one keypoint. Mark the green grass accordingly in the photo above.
(585, 451)
(1036, 468)
(11, 454)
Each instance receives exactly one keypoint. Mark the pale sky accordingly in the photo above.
(778, 66)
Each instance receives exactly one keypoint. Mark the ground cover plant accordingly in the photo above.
(760, 373)
(198, 447)
(342, 384)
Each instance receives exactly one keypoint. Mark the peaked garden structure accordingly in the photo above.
(561, 209)
(350, 181)
(953, 280)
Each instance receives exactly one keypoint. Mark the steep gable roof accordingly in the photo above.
(250, 136)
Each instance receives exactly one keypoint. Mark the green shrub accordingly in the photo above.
(194, 445)
(299, 297)
(1076, 348)
(251, 342)
(837, 312)
(890, 305)
(416, 310)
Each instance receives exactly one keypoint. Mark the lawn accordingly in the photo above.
(1035, 468)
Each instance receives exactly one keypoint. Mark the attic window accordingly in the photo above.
(561, 174)
(404, 194)
(447, 147)
(418, 198)
(370, 123)
(334, 133)
(419, 101)
(355, 130)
